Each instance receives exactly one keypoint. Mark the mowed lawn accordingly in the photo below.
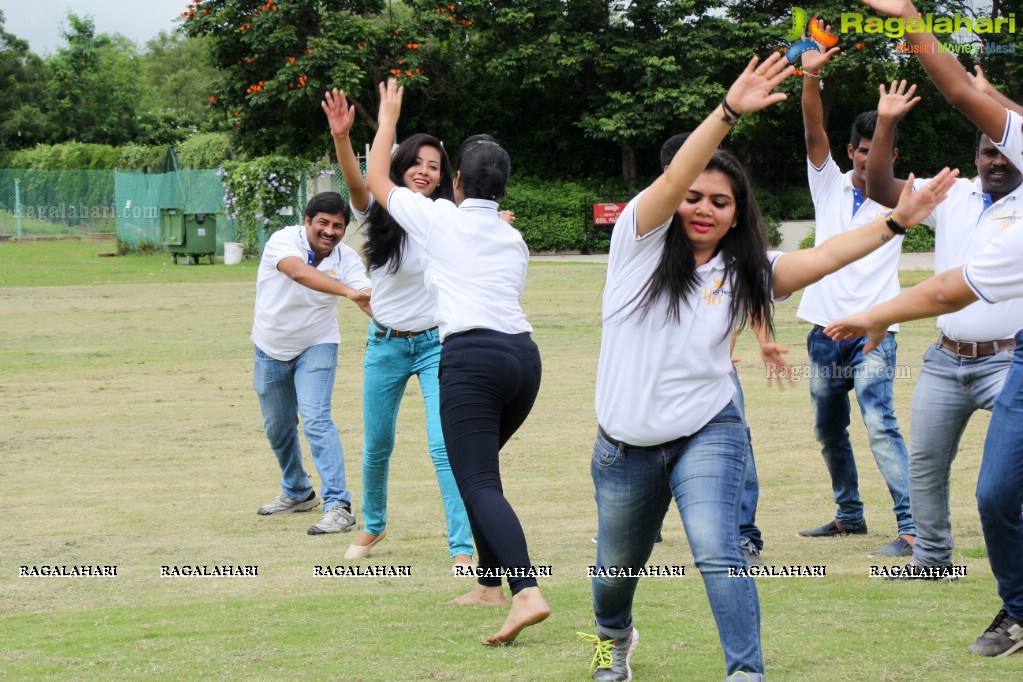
(130, 437)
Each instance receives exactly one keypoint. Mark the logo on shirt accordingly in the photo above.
(1007, 218)
(715, 296)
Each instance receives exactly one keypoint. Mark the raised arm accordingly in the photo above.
(750, 92)
(944, 293)
(378, 174)
(882, 185)
(817, 145)
(340, 117)
(948, 74)
(308, 276)
(797, 269)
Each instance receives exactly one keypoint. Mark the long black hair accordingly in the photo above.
(747, 270)
(385, 239)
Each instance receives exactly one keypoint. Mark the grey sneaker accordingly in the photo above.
(897, 547)
(611, 656)
(282, 504)
(1003, 637)
(750, 552)
(335, 520)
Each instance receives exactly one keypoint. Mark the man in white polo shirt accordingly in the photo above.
(994, 275)
(303, 271)
(841, 203)
(965, 369)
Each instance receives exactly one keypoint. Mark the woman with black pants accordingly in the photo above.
(475, 269)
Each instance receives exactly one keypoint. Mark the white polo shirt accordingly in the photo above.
(995, 272)
(963, 226)
(400, 299)
(290, 317)
(658, 379)
(862, 284)
(474, 265)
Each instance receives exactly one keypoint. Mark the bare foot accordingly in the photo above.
(528, 608)
(482, 595)
(908, 538)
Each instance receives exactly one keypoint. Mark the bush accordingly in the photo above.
(797, 204)
(550, 215)
(206, 150)
(81, 156)
(257, 194)
(770, 205)
(772, 232)
(920, 239)
(807, 241)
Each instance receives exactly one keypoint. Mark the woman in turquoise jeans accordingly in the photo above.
(402, 339)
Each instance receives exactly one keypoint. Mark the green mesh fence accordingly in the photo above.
(38, 203)
(140, 196)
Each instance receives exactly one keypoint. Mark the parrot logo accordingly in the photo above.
(820, 39)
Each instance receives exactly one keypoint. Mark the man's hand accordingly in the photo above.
(855, 326)
(897, 101)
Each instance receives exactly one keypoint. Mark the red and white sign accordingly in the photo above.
(607, 214)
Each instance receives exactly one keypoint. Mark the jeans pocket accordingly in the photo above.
(605, 454)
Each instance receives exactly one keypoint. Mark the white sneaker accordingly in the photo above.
(335, 520)
(282, 504)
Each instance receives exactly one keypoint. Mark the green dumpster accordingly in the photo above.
(191, 235)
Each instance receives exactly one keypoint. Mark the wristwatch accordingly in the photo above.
(892, 225)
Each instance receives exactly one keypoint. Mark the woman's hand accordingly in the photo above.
(752, 89)
(340, 116)
(916, 205)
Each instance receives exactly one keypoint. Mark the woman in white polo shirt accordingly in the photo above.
(403, 339)
(688, 265)
(475, 269)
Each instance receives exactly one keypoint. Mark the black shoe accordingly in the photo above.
(751, 552)
(831, 529)
(658, 538)
(1003, 637)
(916, 571)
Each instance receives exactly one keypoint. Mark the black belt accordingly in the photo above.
(386, 332)
(976, 349)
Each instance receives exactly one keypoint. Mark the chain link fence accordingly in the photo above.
(39, 204)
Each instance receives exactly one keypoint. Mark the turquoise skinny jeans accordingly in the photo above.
(389, 363)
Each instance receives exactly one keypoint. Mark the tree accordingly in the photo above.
(95, 88)
(22, 122)
(177, 81)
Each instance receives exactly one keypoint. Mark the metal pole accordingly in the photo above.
(17, 206)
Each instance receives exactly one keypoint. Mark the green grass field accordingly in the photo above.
(130, 436)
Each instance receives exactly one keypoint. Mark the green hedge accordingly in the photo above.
(550, 215)
(82, 156)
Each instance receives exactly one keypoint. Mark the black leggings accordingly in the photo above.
(488, 383)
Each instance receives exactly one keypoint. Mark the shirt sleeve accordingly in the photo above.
(772, 257)
(1012, 140)
(362, 218)
(280, 245)
(994, 272)
(413, 212)
(351, 270)
(822, 180)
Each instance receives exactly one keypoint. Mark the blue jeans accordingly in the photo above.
(836, 368)
(388, 364)
(704, 472)
(302, 386)
(1000, 489)
(950, 389)
(751, 488)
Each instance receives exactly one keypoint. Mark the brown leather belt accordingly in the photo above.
(976, 349)
(386, 331)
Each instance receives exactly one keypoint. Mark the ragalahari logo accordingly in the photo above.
(820, 38)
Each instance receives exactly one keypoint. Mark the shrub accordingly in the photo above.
(919, 239)
(797, 204)
(770, 205)
(772, 232)
(206, 150)
(807, 241)
(257, 192)
(550, 215)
